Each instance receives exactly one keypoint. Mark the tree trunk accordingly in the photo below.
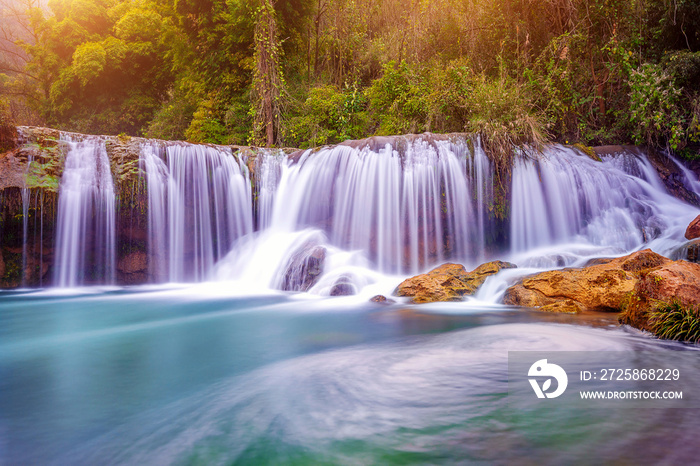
(267, 81)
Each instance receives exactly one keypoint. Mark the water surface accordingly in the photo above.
(182, 375)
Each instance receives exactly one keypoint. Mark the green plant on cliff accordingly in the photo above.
(44, 171)
(673, 321)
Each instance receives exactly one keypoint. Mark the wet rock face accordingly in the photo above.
(448, 282)
(670, 175)
(600, 287)
(133, 262)
(693, 230)
(689, 251)
(132, 269)
(304, 268)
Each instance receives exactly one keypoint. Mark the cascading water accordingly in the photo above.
(351, 213)
(199, 202)
(85, 229)
(400, 207)
(563, 201)
(417, 202)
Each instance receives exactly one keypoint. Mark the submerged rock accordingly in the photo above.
(448, 282)
(343, 287)
(693, 230)
(381, 299)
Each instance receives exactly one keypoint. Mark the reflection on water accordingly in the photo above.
(163, 377)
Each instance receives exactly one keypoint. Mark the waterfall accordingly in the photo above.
(406, 209)
(85, 229)
(564, 200)
(399, 206)
(199, 203)
(334, 219)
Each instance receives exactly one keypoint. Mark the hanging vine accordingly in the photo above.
(268, 80)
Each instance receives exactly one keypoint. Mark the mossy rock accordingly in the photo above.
(588, 151)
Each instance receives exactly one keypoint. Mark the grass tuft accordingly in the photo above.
(673, 321)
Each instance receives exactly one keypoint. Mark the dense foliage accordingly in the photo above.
(310, 72)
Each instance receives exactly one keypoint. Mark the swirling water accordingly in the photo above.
(194, 375)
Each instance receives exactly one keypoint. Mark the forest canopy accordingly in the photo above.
(304, 73)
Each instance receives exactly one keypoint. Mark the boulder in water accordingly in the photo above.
(600, 287)
(381, 299)
(689, 251)
(304, 268)
(654, 293)
(693, 230)
(343, 287)
(448, 282)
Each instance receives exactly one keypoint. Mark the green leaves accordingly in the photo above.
(328, 115)
(654, 110)
(88, 61)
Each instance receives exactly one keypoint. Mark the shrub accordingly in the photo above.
(328, 115)
(206, 125)
(171, 120)
(654, 108)
(503, 113)
(398, 100)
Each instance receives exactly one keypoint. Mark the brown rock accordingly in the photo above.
(478, 276)
(381, 299)
(448, 282)
(598, 261)
(2, 265)
(693, 230)
(675, 282)
(518, 295)
(564, 307)
(679, 281)
(133, 262)
(12, 170)
(645, 286)
(601, 287)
